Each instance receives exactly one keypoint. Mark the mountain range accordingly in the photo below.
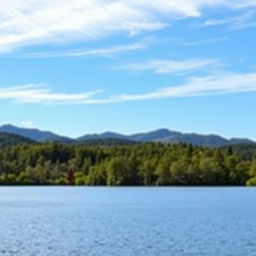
(160, 135)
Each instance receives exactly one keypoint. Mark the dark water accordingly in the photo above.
(127, 221)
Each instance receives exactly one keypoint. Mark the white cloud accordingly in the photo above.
(243, 3)
(200, 86)
(173, 66)
(225, 83)
(101, 52)
(235, 22)
(24, 23)
(39, 94)
(28, 124)
(203, 41)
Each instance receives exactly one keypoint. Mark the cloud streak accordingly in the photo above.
(161, 66)
(41, 95)
(246, 20)
(201, 86)
(97, 52)
(226, 83)
(26, 23)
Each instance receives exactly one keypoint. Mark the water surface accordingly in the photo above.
(68, 221)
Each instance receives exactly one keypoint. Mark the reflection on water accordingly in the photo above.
(127, 221)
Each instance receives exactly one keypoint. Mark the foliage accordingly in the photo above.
(147, 164)
(251, 182)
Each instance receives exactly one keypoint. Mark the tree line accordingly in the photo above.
(149, 164)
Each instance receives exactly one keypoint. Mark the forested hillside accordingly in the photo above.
(7, 139)
(143, 164)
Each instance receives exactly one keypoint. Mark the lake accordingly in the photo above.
(127, 221)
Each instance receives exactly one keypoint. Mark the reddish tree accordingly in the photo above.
(70, 177)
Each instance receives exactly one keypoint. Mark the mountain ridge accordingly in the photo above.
(33, 133)
(160, 135)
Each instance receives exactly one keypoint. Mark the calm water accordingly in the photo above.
(127, 221)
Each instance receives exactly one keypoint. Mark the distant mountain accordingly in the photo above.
(102, 136)
(34, 134)
(167, 136)
(195, 139)
(240, 141)
(108, 138)
(7, 139)
(157, 135)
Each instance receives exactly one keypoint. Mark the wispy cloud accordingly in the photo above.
(25, 23)
(205, 41)
(42, 95)
(100, 52)
(225, 83)
(28, 124)
(241, 21)
(200, 86)
(174, 66)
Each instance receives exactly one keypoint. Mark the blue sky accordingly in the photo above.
(86, 66)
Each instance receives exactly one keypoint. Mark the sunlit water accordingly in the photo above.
(127, 221)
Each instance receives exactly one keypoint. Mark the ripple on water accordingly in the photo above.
(127, 221)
